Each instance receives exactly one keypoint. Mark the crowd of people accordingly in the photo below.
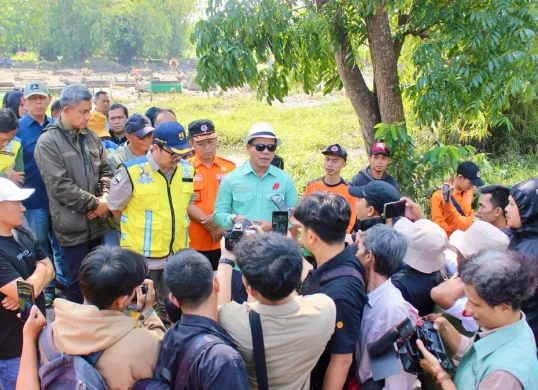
(122, 223)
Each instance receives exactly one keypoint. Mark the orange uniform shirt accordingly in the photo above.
(206, 185)
(446, 215)
(319, 185)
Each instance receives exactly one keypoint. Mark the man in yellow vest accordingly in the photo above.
(150, 195)
(11, 162)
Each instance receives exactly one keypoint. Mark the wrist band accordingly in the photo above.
(224, 260)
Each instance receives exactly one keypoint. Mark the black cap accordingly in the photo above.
(470, 170)
(138, 125)
(376, 193)
(201, 129)
(337, 150)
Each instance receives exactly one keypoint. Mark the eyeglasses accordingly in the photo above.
(173, 155)
(147, 136)
(261, 147)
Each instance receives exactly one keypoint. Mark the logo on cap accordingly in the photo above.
(34, 87)
(334, 149)
(478, 174)
(203, 127)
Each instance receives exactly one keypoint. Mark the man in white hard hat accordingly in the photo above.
(21, 259)
(246, 192)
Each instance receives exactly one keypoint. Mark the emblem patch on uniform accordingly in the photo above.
(203, 127)
(478, 174)
(220, 176)
(195, 196)
(339, 324)
(198, 178)
(334, 149)
(34, 87)
(117, 178)
(276, 186)
(186, 171)
(144, 175)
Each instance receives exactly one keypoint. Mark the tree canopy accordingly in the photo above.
(460, 63)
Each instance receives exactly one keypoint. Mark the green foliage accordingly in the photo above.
(79, 29)
(28, 56)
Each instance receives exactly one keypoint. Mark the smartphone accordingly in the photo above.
(367, 223)
(280, 222)
(394, 209)
(280, 204)
(26, 298)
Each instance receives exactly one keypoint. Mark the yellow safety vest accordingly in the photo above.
(9, 153)
(155, 222)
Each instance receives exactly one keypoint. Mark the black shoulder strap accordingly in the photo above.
(341, 271)
(457, 206)
(259, 350)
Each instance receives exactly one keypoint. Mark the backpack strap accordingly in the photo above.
(259, 350)
(195, 348)
(339, 272)
(457, 206)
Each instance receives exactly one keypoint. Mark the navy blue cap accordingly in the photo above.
(376, 193)
(173, 136)
(337, 150)
(138, 125)
(470, 170)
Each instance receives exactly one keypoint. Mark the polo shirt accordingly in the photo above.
(206, 184)
(29, 131)
(341, 188)
(349, 296)
(217, 367)
(244, 193)
(385, 308)
(294, 336)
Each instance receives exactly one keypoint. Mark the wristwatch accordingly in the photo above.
(224, 260)
(233, 217)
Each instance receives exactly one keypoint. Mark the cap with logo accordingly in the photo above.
(35, 88)
(173, 136)
(201, 129)
(376, 193)
(139, 125)
(480, 236)
(427, 242)
(379, 148)
(10, 192)
(337, 150)
(262, 130)
(470, 170)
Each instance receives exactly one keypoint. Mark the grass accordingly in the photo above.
(307, 125)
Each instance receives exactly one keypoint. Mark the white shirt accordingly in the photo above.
(386, 308)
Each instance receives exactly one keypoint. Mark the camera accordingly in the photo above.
(405, 335)
(234, 235)
(144, 288)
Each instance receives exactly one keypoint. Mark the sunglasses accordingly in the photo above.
(173, 155)
(261, 147)
(147, 136)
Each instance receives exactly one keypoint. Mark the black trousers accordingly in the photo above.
(213, 257)
(74, 256)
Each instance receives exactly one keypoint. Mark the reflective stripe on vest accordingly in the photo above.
(155, 221)
(9, 153)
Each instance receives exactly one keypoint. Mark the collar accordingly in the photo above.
(284, 310)
(332, 264)
(152, 163)
(31, 120)
(248, 169)
(196, 162)
(63, 126)
(496, 338)
(207, 324)
(342, 181)
(382, 291)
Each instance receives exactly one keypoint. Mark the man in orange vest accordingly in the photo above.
(452, 204)
(210, 169)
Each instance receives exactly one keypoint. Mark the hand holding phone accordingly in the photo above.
(145, 299)
(25, 291)
(394, 209)
(446, 191)
(280, 222)
(280, 204)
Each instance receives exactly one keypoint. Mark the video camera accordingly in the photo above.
(383, 357)
(234, 235)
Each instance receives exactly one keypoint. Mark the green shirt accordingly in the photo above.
(119, 156)
(244, 193)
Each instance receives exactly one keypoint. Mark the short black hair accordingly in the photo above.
(8, 120)
(189, 276)
(56, 106)
(327, 214)
(99, 93)
(499, 195)
(115, 106)
(501, 277)
(271, 264)
(109, 273)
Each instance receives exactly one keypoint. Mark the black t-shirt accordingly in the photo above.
(18, 257)
(349, 296)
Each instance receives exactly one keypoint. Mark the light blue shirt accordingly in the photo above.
(244, 193)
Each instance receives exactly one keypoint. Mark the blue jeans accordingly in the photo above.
(40, 223)
(9, 370)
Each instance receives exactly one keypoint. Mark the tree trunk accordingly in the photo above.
(385, 64)
(362, 99)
